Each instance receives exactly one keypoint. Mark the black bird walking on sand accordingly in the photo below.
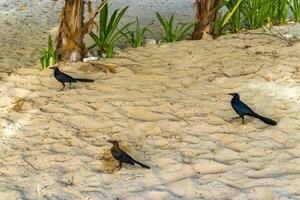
(65, 78)
(122, 156)
(242, 109)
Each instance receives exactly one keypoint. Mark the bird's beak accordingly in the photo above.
(232, 94)
(51, 67)
(110, 141)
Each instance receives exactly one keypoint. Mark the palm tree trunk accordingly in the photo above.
(70, 45)
(206, 14)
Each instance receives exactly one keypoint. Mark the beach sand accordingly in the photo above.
(168, 107)
(26, 24)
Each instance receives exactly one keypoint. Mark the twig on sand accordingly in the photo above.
(234, 76)
(280, 35)
(29, 163)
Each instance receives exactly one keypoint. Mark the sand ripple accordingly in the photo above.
(168, 106)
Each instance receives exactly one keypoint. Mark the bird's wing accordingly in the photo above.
(123, 156)
(244, 108)
(66, 77)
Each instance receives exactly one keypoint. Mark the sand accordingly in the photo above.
(26, 24)
(168, 107)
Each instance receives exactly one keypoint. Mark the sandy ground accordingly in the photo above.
(168, 106)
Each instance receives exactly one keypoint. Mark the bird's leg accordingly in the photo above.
(120, 166)
(243, 120)
(63, 86)
(70, 85)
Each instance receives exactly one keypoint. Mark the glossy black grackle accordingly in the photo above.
(65, 78)
(242, 109)
(122, 156)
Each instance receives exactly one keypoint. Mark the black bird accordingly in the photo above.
(242, 109)
(122, 156)
(65, 78)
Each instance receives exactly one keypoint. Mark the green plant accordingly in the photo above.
(108, 34)
(173, 35)
(280, 11)
(257, 12)
(219, 28)
(234, 16)
(48, 56)
(295, 8)
(135, 38)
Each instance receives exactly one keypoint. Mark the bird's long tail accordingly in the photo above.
(141, 164)
(84, 80)
(264, 119)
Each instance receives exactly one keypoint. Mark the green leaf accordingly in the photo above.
(183, 32)
(111, 23)
(97, 40)
(170, 24)
(93, 46)
(109, 51)
(115, 24)
(162, 21)
(137, 29)
(231, 13)
(44, 59)
(170, 34)
(108, 34)
(135, 38)
(103, 20)
(119, 32)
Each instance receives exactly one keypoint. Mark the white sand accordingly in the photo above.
(25, 24)
(169, 108)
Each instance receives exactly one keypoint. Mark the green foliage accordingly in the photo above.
(219, 28)
(173, 35)
(280, 11)
(108, 34)
(257, 12)
(231, 17)
(48, 57)
(295, 8)
(135, 38)
(234, 16)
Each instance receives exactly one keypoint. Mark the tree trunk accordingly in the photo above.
(206, 14)
(70, 45)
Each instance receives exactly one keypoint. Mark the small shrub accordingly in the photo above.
(219, 28)
(108, 34)
(280, 12)
(295, 8)
(173, 35)
(48, 56)
(257, 12)
(234, 16)
(231, 17)
(135, 38)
